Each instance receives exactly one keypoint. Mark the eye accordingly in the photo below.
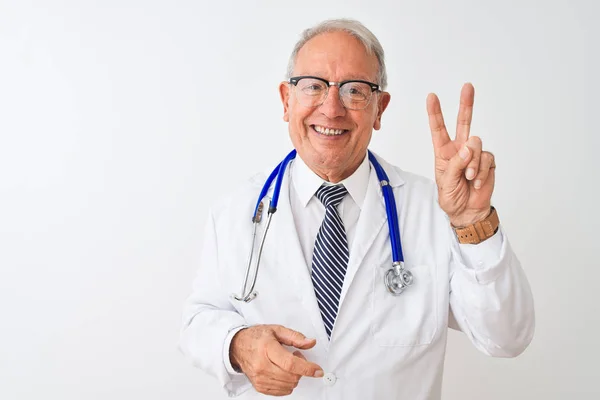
(357, 90)
(312, 87)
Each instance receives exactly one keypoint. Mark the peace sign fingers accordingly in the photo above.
(465, 113)
(439, 134)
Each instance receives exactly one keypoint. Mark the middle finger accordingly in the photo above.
(465, 113)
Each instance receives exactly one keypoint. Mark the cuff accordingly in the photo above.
(485, 261)
(483, 255)
(226, 347)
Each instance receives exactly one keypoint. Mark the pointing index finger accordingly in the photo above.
(291, 363)
(439, 134)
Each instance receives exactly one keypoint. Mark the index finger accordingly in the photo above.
(465, 113)
(291, 363)
(439, 134)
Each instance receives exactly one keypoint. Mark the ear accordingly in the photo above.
(382, 103)
(284, 94)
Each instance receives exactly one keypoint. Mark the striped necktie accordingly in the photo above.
(330, 256)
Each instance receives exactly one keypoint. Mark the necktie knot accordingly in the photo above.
(331, 195)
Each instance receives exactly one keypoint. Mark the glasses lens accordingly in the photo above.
(355, 95)
(311, 92)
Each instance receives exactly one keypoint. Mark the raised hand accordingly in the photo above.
(464, 173)
(271, 368)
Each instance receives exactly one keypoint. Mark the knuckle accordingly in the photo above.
(464, 120)
(306, 371)
(489, 160)
(260, 369)
(261, 389)
(287, 364)
(476, 140)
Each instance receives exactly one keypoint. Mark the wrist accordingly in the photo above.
(470, 218)
(479, 231)
(234, 345)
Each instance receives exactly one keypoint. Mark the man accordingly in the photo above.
(315, 334)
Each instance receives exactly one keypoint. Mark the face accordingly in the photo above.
(334, 56)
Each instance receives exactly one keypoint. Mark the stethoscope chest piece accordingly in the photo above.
(397, 279)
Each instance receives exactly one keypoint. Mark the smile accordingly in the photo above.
(328, 131)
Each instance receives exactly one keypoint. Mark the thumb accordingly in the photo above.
(457, 165)
(293, 338)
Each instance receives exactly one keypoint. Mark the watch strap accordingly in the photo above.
(480, 230)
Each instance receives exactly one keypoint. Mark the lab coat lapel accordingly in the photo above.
(372, 219)
(290, 257)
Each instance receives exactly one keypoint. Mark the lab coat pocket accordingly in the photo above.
(409, 319)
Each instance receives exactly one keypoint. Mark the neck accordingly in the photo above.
(336, 175)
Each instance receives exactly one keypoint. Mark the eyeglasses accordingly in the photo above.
(311, 91)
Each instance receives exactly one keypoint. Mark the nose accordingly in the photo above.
(332, 107)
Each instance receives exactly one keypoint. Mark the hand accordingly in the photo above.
(464, 174)
(271, 368)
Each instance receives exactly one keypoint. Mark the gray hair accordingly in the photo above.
(354, 28)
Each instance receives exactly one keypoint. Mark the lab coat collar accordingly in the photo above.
(394, 177)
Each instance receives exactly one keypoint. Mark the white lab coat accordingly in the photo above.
(382, 347)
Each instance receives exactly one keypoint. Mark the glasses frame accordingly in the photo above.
(374, 88)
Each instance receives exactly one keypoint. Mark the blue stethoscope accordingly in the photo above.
(396, 279)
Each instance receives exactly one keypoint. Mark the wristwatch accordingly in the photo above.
(479, 231)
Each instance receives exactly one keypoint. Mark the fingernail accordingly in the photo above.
(319, 373)
(470, 173)
(464, 153)
(477, 184)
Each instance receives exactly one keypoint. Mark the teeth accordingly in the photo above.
(328, 131)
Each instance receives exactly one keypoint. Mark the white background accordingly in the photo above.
(121, 120)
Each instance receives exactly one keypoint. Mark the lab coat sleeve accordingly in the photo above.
(490, 297)
(209, 320)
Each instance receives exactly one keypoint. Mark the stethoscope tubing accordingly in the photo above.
(277, 176)
(390, 209)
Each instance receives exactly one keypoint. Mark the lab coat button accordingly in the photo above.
(329, 379)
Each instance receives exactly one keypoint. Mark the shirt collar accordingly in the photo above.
(306, 182)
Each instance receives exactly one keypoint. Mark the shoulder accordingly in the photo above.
(416, 195)
(411, 182)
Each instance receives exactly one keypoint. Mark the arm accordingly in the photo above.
(214, 336)
(490, 297)
(210, 321)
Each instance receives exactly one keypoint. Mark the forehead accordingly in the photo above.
(336, 56)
